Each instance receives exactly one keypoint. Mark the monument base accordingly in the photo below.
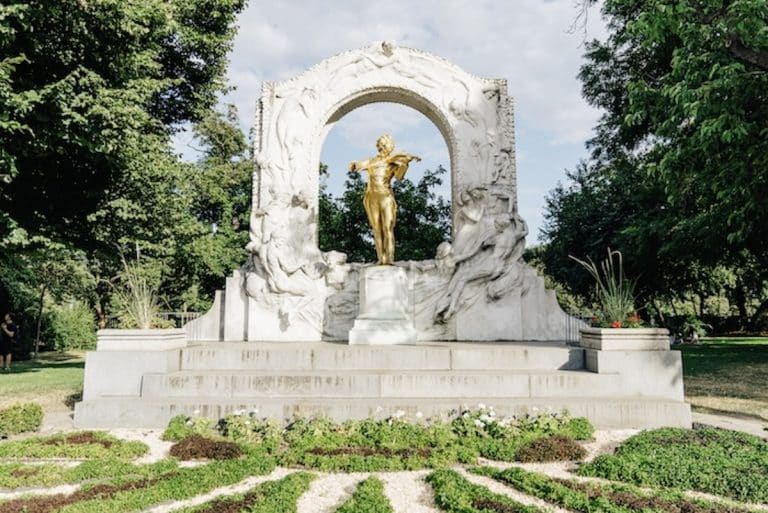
(382, 332)
(384, 307)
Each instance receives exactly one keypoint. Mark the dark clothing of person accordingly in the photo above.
(7, 342)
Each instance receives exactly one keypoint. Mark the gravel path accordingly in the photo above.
(408, 492)
(328, 491)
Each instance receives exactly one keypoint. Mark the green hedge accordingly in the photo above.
(709, 460)
(601, 497)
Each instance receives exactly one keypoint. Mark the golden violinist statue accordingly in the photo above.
(379, 202)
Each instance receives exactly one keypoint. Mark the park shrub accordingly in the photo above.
(395, 443)
(498, 438)
(81, 445)
(270, 497)
(133, 494)
(368, 498)
(454, 494)
(608, 498)
(716, 461)
(551, 448)
(21, 475)
(72, 327)
(196, 447)
(20, 418)
(183, 426)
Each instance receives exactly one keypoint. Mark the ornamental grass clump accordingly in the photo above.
(137, 302)
(614, 292)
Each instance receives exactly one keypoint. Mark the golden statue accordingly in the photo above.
(379, 202)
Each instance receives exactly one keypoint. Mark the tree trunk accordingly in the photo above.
(39, 318)
(741, 304)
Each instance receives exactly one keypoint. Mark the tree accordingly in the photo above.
(679, 162)
(90, 87)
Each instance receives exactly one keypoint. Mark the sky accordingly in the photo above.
(530, 43)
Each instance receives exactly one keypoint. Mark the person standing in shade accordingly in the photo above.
(8, 336)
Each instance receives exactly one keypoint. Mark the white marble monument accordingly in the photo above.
(476, 288)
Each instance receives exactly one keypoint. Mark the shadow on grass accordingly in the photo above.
(714, 358)
(40, 366)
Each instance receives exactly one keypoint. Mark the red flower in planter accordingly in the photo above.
(616, 324)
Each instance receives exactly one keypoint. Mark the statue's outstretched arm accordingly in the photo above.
(359, 165)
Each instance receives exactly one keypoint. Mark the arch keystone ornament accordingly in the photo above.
(476, 287)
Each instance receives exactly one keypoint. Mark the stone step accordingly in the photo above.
(377, 384)
(423, 356)
(604, 413)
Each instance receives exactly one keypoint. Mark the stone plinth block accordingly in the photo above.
(140, 340)
(383, 317)
(625, 339)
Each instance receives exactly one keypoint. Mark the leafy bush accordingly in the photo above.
(20, 418)
(500, 438)
(21, 475)
(710, 460)
(182, 426)
(197, 447)
(270, 497)
(138, 494)
(82, 445)
(455, 494)
(551, 448)
(389, 444)
(608, 498)
(368, 498)
(72, 327)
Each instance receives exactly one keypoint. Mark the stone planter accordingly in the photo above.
(625, 339)
(140, 340)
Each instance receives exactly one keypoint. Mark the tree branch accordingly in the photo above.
(740, 51)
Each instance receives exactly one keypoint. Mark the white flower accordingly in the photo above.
(534, 409)
(419, 415)
(481, 406)
(479, 423)
(196, 412)
(399, 413)
(485, 418)
(238, 412)
(379, 409)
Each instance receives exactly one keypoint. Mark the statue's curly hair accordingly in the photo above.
(388, 142)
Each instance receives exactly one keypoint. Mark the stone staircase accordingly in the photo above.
(284, 379)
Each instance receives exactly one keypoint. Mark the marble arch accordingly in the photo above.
(476, 287)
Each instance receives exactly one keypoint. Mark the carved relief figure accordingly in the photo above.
(293, 114)
(382, 56)
(488, 263)
(379, 202)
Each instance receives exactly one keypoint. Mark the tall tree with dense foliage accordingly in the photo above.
(90, 94)
(679, 167)
(87, 88)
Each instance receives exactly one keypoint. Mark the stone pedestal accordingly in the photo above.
(383, 317)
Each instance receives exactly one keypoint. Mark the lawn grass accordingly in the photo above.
(727, 375)
(54, 380)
